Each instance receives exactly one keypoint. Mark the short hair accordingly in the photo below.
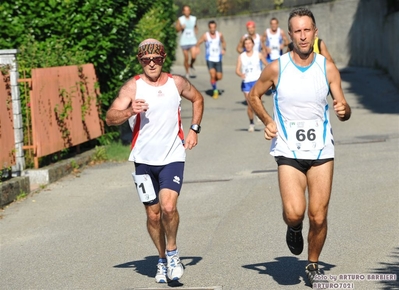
(211, 22)
(274, 18)
(300, 12)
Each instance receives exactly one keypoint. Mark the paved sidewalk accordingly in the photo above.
(88, 231)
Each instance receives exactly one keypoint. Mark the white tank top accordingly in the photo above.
(188, 34)
(273, 42)
(301, 111)
(250, 66)
(213, 50)
(157, 133)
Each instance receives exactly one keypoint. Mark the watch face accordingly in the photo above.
(196, 128)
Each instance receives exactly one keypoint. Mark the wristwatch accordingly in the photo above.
(196, 128)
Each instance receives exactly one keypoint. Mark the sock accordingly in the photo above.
(171, 253)
(251, 121)
(162, 260)
(214, 86)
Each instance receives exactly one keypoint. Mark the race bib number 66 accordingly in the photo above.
(305, 134)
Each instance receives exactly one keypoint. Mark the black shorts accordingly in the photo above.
(302, 165)
(214, 65)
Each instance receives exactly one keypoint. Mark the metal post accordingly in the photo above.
(8, 56)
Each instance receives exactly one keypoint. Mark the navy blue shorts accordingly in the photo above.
(302, 165)
(168, 176)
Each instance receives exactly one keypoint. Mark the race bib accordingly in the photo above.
(144, 186)
(188, 32)
(305, 135)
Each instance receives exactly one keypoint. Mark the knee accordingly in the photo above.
(317, 220)
(153, 217)
(169, 210)
(293, 218)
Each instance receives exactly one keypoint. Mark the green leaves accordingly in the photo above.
(103, 32)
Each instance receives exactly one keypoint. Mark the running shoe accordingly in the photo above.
(314, 275)
(251, 128)
(294, 240)
(175, 267)
(160, 277)
(215, 94)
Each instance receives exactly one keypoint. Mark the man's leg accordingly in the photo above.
(170, 222)
(250, 113)
(194, 53)
(319, 187)
(292, 183)
(157, 234)
(170, 216)
(155, 227)
(186, 64)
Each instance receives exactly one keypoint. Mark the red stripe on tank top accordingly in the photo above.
(136, 129)
(181, 132)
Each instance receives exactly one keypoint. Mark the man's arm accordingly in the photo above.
(285, 39)
(223, 43)
(240, 47)
(125, 105)
(201, 40)
(238, 68)
(188, 91)
(266, 49)
(324, 51)
(341, 107)
(267, 79)
(179, 26)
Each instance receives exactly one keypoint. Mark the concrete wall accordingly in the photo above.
(356, 32)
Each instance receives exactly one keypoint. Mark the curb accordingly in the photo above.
(32, 179)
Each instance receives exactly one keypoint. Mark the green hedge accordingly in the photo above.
(103, 32)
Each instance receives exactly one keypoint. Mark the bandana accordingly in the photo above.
(151, 48)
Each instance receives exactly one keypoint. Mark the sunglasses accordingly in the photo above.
(147, 60)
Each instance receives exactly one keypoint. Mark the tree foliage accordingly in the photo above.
(103, 32)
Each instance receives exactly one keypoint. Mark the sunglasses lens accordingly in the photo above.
(157, 60)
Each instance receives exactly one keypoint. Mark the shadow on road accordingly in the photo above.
(390, 268)
(147, 266)
(286, 270)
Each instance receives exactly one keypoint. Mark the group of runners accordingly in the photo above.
(300, 129)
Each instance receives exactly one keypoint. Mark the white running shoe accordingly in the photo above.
(258, 121)
(251, 128)
(160, 277)
(175, 267)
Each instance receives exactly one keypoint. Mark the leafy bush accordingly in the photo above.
(103, 32)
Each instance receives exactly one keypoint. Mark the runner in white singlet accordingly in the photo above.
(300, 130)
(275, 40)
(215, 48)
(151, 103)
(187, 25)
(248, 68)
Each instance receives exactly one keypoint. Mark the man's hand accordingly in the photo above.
(341, 110)
(191, 140)
(139, 105)
(270, 130)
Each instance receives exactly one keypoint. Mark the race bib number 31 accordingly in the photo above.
(305, 134)
(144, 186)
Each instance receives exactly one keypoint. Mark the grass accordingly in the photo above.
(116, 152)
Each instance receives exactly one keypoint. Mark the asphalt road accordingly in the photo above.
(87, 231)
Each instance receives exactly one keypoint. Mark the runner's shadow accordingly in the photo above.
(148, 267)
(286, 270)
(210, 92)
